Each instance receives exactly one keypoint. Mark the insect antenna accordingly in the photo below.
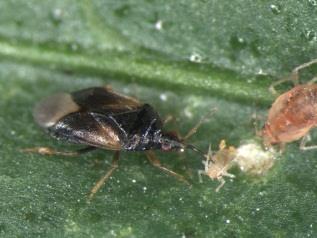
(193, 148)
(194, 130)
(200, 122)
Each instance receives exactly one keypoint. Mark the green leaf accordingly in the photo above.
(184, 58)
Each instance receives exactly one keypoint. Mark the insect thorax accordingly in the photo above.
(142, 142)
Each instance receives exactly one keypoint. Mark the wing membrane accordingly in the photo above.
(83, 128)
(103, 99)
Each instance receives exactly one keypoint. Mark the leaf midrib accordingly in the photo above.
(188, 76)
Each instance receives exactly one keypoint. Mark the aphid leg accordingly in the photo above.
(226, 174)
(222, 182)
(200, 172)
(50, 151)
(200, 122)
(312, 81)
(294, 77)
(155, 162)
(302, 66)
(105, 177)
(206, 164)
(282, 147)
(255, 118)
(303, 142)
(209, 159)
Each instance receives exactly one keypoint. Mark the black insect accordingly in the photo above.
(101, 118)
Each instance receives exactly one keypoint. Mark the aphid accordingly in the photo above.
(218, 164)
(101, 118)
(293, 114)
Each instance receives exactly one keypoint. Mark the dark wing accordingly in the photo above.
(105, 100)
(89, 129)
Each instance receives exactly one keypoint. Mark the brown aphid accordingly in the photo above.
(293, 114)
(218, 164)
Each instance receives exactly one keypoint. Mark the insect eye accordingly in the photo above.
(166, 145)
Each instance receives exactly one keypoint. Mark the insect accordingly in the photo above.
(218, 164)
(100, 118)
(293, 114)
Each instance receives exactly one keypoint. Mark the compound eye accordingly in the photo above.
(166, 146)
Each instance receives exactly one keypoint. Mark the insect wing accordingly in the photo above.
(87, 128)
(97, 117)
(102, 99)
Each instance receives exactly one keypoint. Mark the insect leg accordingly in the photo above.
(312, 81)
(302, 66)
(303, 142)
(105, 177)
(294, 77)
(200, 172)
(50, 151)
(255, 119)
(200, 122)
(228, 175)
(168, 119)
(222, 182)
(155, 162)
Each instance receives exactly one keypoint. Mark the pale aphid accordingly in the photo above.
(217, 164)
